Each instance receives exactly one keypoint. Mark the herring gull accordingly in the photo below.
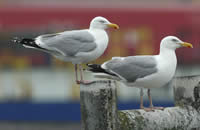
(144, 71)
(76, 46)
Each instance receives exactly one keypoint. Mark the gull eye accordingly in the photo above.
(102, 21)
(174, 40)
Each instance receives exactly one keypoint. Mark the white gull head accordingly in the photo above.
(102, 23)
(172, 43)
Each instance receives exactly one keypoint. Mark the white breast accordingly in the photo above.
(102, 43)
(166, 70)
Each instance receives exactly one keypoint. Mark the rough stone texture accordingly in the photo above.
(99, 112)
(186, 91)
(175, 118)
(98, 106)
(184, 117)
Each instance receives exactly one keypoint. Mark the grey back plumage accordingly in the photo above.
(133, 67)
(70, 42)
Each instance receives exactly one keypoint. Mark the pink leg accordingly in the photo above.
(150, 99)
(141, 99)
(141, 102)
(76, 72)
(81, 73)
(150, 102)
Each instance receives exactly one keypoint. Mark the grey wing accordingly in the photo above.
(133, 67)
(70, 42)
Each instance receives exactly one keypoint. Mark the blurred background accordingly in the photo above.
(38, 92)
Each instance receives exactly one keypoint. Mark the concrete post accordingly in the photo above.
(98, 106)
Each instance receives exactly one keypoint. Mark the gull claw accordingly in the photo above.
(152, 109)
(83, 82)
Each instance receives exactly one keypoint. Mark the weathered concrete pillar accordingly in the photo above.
(98, 106)
(99, 111)
(187, 91)
(185, 116)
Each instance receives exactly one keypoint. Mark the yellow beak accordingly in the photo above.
(112, 25)
(185, 44)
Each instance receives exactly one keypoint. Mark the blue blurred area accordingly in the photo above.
(136, 105)
(55, 111)
(40, 112)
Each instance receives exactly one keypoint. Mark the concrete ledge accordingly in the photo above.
(99, 111)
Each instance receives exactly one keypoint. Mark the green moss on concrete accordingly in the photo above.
(139, 122)
(124, 121)
(128, 123)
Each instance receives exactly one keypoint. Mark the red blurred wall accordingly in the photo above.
(141, 29)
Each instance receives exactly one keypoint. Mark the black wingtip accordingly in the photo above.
(96, 68)
(93, 67)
